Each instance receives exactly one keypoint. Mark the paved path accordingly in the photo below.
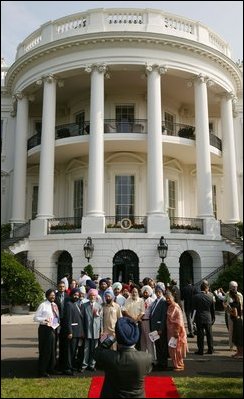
(19, 351)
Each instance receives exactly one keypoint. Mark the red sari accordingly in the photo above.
(175, 324)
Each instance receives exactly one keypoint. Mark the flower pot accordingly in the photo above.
(20, 309)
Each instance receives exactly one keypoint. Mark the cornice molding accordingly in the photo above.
(170, 42)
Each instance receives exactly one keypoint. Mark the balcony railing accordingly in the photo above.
(64, 225)
(186, 225)
(115, 126)
(125, 224)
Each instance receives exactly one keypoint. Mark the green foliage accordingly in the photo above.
(20, 283)
(233, 272)
(163, 274)
(5, 231)
(240, 228)
(89, 270)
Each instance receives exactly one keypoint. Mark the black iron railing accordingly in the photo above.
(117, 224)
(186, 225)
(64, 225)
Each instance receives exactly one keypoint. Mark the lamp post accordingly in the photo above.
(162, 248)
(88, 248)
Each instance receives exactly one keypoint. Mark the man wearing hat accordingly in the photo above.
(125, 368)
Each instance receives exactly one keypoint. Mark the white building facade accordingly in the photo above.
(123, 125)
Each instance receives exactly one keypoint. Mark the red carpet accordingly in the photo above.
(155, 387)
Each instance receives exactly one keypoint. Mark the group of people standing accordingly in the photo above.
(76, 319)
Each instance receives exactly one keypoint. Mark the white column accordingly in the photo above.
(231, 208)
(20, 160)
(203, 161)
(46, 175)
(94, 221)
(157, 220)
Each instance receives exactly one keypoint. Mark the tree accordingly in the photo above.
(89, 270)
(163, 274)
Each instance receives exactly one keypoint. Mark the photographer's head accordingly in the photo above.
(127, 332)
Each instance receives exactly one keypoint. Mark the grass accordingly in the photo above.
(201, 387)
(188, 387)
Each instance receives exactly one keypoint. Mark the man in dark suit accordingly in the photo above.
(158, 322)
(187, 295)
(203, 303)
(60, 297)
(72, 329)
(125, 368)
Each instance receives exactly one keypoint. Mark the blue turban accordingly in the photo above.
(110, 292)
(91, 284)
(160, 286)
(127, 332)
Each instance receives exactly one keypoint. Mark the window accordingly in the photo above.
(80, 121)
(214, 195)
(169, 123)
(171, 198)
(124, 118)
(34, 202)
(211, 127)
(124, 197)
(78, 198)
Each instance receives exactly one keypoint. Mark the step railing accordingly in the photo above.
(232, 233)
(211, 276)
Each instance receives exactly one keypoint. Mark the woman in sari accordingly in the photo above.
(176, 333)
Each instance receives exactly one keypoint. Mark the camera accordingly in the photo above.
(108, 342)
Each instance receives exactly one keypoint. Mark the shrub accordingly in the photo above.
(20, 283)
(89, 270)
(233, 272)
(163, 274)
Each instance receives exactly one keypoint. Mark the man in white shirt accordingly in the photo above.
(47, 315)
(83, 278)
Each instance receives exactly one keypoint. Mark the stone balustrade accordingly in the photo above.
(126, 20)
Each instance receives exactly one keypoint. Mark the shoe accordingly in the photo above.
(44, 375)
(209, 352)
(198, 353)
(55, 372)
(68, 372)
(190, 335)
(91, 368)
(178, 369)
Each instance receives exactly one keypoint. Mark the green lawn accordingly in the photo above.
(188, 387)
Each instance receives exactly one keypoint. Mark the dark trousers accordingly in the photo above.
(161, 346)
(201, 327)
(47, 355)
(71, 346)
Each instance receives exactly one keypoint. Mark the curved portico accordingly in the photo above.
(161, 92)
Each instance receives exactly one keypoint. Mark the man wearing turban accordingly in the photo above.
(125, 368)
(111, 313)
(118, 297)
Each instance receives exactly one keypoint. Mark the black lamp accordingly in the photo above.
(88, 248)
(162, 248)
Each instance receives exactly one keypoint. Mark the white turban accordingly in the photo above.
(117, 285)
(147, 288)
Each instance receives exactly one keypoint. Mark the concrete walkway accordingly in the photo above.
(19, 351)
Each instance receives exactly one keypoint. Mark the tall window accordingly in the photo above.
(79, 120)
(78, 198)
(214, 195)
(124, 118)
(169, 123)
(124, 197)
(172, 198)
(34, 202)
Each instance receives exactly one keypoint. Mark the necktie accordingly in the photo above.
(54, 309)
(154, 306)
(115, 299)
